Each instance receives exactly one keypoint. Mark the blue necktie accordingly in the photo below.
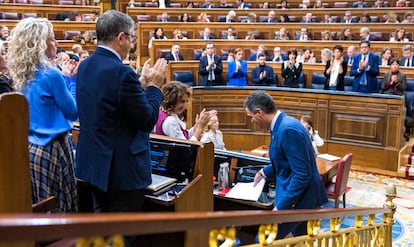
(363, 80)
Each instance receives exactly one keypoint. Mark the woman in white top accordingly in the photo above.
(317, 141)
(158, 34)
(335, 70)
(173, 112)
(213, 134)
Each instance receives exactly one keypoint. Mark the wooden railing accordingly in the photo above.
(25, 228)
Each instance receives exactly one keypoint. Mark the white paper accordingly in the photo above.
(328, 157)
(246, 191)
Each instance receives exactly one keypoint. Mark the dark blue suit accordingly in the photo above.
(298, 183)
(202, 70)
(371, 74)
(268, 80)
(116, 116)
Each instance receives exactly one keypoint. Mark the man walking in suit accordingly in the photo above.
(262, 74)
(293, 164)
(365, 70)
(116, 113)
(210, 68)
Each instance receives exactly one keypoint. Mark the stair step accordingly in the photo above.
(406, 171)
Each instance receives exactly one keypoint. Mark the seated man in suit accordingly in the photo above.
(210, 68)
(365, 70)
(364, 34)
(262, 74)
(271, 17)
(261, 49)
(277, 56)
(208, 5)
(303, 35)
(174, 55)
(348, 18)
(207, 35)
(408, 59)
(240, 4)
(230, 34)
(308, 18)
(360, 4)
(230, 17)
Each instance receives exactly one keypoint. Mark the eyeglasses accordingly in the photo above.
(134, 37)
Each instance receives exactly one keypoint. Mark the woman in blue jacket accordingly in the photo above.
(237, 70)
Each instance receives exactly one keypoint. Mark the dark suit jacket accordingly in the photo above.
(268, 80)
(116, 116)
(298, 183)
(202, 70)
(372, 73)
(170, 57)
(271, 21)
(291, 75)
(403, 60)
(352, 21)
(298, 37)
(253, 57)
(398, 88)
(355, 5)
(340, 80)
(224, 19)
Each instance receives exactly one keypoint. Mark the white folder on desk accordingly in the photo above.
(246, 191)
(159, 182)
(328, 157)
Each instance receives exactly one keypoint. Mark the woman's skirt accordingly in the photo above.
(52, 169)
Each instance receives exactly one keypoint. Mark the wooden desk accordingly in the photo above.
(327, 169)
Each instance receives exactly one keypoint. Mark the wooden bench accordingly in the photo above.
(48, 11)
(193, 30)
(59, 27)
(255, 4)
(214, 14)
(307, 69)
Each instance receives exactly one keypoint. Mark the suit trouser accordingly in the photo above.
(296, 228)
(119, 201)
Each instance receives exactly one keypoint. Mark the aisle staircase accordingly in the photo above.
(406, 162)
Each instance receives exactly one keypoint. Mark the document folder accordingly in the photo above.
(159, 182)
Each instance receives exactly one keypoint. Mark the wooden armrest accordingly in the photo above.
(45, 205)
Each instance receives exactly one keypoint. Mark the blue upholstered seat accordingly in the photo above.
(348, 80)
(318, 80)
(186, 77)
(302, 80)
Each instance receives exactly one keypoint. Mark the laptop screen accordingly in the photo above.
(173, 159)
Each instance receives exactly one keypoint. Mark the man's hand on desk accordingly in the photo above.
(258, 177)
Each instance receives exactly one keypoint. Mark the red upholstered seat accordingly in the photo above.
(338, 189)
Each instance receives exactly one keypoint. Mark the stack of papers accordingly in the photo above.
(328, 157)
(246, 191)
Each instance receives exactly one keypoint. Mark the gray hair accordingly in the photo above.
(110, 24)
(260, 100)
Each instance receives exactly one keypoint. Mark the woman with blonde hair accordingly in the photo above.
(213, 134)
(52, 111)
(203, 18)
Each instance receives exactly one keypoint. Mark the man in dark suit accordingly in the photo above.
(262, 74)
(207, 35)
(308, 18)
(116, 113)
(365, 70)
(210, 68)
(360, 4)
(277, 56)
(208, 5)
(174, 55)
(303, 35)
(293, 164)
(348, 18)
(261, 49)
(364, 34)
(230, 17)
(271, 17)
(408, 59)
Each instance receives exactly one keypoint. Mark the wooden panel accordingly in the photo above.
(369, 126)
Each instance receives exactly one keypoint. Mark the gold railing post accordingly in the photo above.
(390, 193)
